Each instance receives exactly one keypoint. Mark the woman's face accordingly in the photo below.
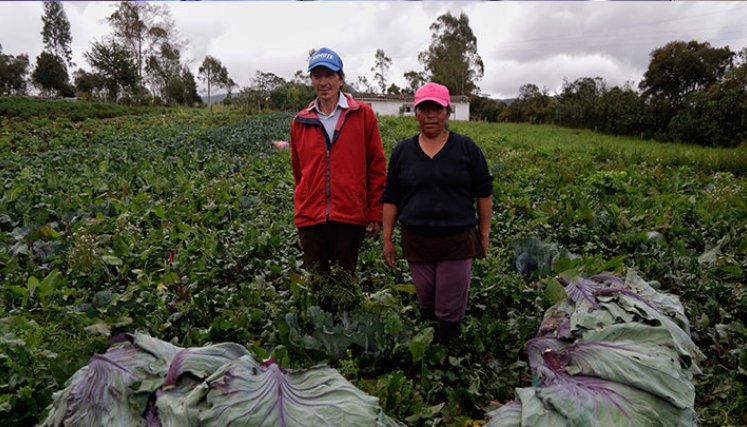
(431, 117)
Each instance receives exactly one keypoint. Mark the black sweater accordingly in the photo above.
(437, 195)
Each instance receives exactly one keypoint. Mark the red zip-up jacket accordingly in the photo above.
(343, 179)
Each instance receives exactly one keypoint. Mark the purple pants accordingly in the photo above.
(443, 285)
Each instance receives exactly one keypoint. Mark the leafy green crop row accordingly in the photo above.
(180, 224)
(26, 108)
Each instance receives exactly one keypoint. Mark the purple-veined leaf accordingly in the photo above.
(689, 353)
(101, 394)
(239, 394)
(609, 278)
(591, 401)
(638, 355)
(557, 320)
(582, 290)
(537, 347)
(202, 361)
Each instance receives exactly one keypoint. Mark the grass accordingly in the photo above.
(133, 188)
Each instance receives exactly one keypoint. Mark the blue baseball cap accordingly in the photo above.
(326, 58)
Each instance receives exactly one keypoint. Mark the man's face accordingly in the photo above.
(326, 83)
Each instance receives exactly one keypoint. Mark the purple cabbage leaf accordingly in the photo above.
(528, 410)
(557, 320)
(591, 401)
(667, 304)
(101, 393)
(689, 353)
(508, 415)
(201, 362)
(581, 291)
(638, 355)
(243, 393)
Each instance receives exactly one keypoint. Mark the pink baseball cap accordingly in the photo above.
(433, 92)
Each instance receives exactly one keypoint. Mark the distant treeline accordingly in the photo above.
(690, 93)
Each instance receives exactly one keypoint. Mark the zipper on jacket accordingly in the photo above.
(328, 185)
(328, 178)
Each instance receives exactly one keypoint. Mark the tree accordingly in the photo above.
(162, 68)
(622, 112)
(50, 75)
(260, 93)
(578, 103)
(142, 28)
(115, 66)
(716, 116)
(56, 31)
(741, 59)
(678, 69)
(532, 105)
(414, 79)
(13, 71)
(87, 84)
(381, 68)
(452, 57)
(393, 89)
(182, 89)
(363, 85)
(483, 108)
(213, 73)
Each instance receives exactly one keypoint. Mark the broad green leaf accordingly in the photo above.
(710, 256)
(111, 260)
(31, 284)
(99, 328)
(49, 283)
(420, 343)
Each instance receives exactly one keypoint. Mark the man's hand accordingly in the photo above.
(373, 228)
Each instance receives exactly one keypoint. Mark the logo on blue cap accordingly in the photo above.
(326, 58)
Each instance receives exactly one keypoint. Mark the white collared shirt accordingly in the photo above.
(330, 121)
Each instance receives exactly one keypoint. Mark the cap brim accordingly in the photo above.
(436, 100)
(327, 65)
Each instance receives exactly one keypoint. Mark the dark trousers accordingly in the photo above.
(443, 286)
(330, 243)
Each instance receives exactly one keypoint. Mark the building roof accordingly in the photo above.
(368, 97)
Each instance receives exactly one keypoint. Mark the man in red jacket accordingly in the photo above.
(339, 170)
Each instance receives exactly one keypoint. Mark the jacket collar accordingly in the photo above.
(310, 110)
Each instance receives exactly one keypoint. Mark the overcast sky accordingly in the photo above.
(540, 42)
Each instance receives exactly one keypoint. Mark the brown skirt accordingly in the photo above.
(418, 247)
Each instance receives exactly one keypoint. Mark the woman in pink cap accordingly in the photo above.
(433, 181)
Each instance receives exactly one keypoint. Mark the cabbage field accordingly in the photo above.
(178, 225)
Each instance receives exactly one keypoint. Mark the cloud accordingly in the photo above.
(551, 72)
(519, 42)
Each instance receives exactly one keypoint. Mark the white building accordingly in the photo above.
(394, 105)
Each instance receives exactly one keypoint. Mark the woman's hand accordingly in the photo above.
(484, 213)
(389, 215)
(390, 254)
